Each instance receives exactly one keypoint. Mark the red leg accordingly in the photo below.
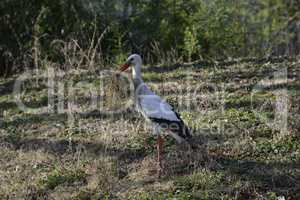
(159, 150)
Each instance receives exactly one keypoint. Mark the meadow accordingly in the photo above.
(244, 116)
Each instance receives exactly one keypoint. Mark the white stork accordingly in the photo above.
(155, 110)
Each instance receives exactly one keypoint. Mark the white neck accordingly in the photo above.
(136, 71)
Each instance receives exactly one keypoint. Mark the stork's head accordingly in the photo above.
(134, 59)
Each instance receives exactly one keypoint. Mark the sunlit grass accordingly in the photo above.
(95, 156)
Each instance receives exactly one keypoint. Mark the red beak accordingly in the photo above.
(124, 67)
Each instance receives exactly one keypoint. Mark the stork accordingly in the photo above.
(155, 110)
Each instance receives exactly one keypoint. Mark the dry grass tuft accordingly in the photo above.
(116, 91)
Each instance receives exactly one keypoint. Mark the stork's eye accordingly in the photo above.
(131, 59)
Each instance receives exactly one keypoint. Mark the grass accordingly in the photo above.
(58, 177)
(202, 180)
(92, 155)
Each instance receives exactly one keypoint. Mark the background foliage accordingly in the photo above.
(195, 29)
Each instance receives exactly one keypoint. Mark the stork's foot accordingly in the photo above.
(160, 170)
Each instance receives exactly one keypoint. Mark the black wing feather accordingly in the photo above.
(177, 127)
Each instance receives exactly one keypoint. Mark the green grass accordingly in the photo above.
(101, 156)
(152, 76)
(58, 177)
(199, 180)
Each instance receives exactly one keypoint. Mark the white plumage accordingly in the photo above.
(152, 106)
(155, 110)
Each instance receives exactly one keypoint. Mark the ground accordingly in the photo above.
(244, 117)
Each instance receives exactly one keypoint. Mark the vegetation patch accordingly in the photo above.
(58, 177)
